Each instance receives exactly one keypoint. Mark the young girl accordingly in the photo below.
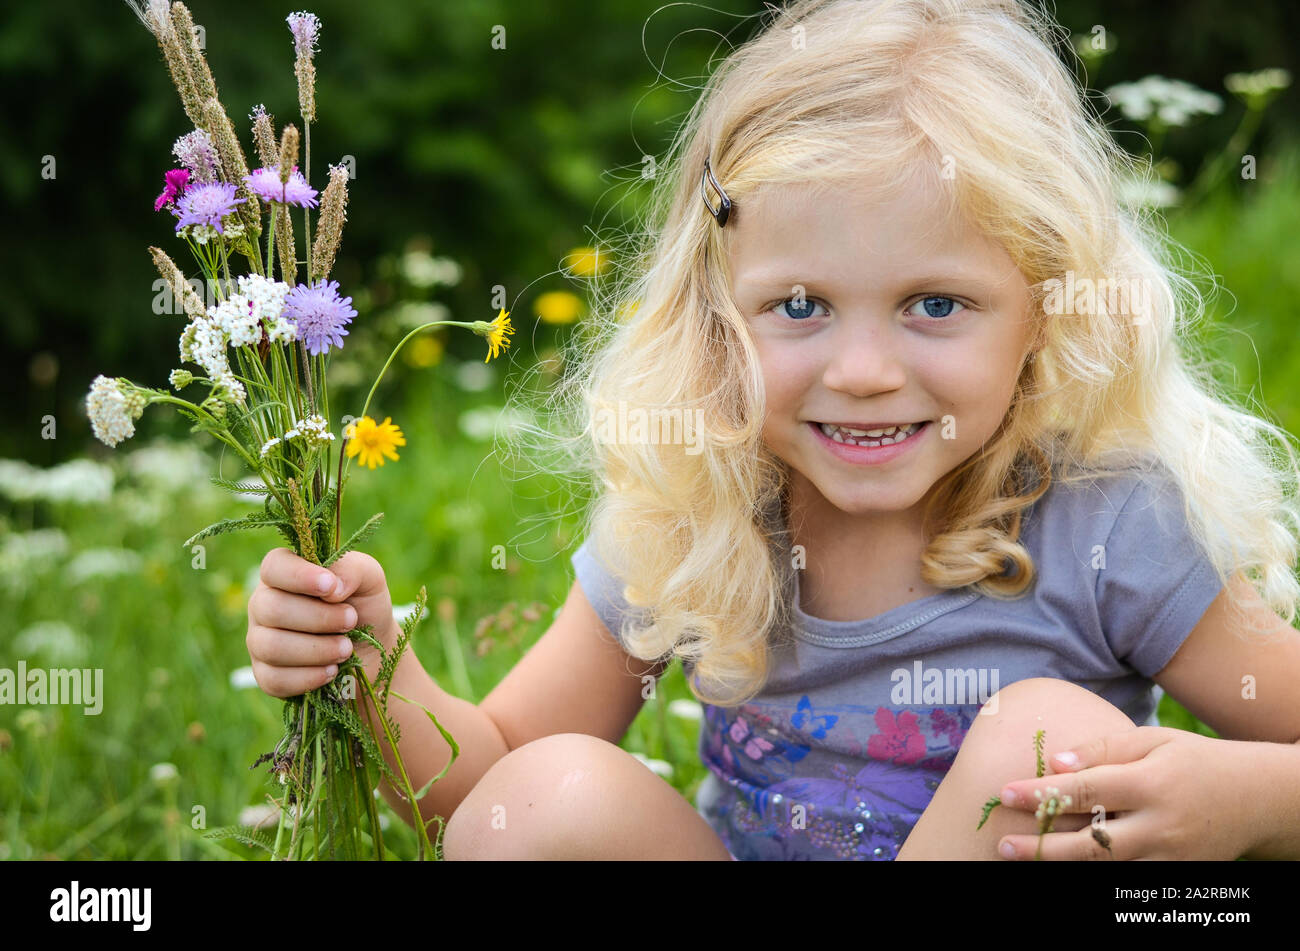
(952, 480)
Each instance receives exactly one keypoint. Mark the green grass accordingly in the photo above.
(168, 634)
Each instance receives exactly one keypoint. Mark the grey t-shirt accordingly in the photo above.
(858, 722)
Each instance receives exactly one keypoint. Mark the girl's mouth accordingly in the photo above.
(856, 446)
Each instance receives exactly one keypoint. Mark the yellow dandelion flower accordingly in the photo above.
(584, 262)
(372, 441)
(558, 307)
(496, 333)
(423, 352)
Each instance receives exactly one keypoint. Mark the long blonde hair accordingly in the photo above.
(839, 91)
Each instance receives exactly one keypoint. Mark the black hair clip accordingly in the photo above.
(723, 211)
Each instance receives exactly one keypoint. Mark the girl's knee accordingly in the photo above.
(1067, 713)
(999, 747)
(535, 798)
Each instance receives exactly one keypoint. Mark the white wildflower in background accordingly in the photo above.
(262, 816)
(484, 422)
(418, 313)
(26, 548)
(241, 678)
(111, 410)
(180, 379)
(474, 377)
(1171, 101)
(423, 270)
(77, 480)
(163, 773)
(171, 465)
(1258, 88)
(102, 563)
(268, 446)
(686, 709)
(52, 641)
(402, 611)
(657, 766)
(1140, 193)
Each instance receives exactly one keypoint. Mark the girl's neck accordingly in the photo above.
(855, 566)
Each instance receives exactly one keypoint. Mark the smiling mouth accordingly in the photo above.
(871, 438)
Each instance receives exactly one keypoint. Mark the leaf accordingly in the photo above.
(360, 535)
(1038, 752)
(451, 741)
(258, 838)
(388, 666)
(325, 507)
(988, 807)
(259, 488)
(227, 525)
(344, 716)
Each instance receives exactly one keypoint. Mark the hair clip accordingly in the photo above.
(724, 208)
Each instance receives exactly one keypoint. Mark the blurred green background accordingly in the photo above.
(475, 168)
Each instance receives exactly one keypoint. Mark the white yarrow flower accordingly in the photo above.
(313, 430)
(111, 411)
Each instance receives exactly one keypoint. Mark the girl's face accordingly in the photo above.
(877, 311)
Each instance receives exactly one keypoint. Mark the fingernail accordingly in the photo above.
(1067, 760)
(350, 616)
(345, 648)
(338, 586)
(1008, 850)
(1009, 797)
(332, 669)
(326, 583)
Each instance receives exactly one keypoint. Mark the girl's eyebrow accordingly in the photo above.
(785, 277)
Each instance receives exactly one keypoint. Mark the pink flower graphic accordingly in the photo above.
(899, 740)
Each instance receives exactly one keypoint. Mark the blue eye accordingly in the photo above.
(800, 309)
(938, 307)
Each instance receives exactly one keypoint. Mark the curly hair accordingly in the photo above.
(838, 91)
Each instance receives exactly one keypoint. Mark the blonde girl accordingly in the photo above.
(899, 447)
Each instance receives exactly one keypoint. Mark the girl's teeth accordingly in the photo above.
(876, 437)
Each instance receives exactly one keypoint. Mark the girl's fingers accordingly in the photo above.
(291, 681)
(271, 607)
(282, 569)
(277, 647)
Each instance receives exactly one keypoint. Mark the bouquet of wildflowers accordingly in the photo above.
(260, 344)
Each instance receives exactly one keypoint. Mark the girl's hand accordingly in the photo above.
(1179, 795)
(297, 626)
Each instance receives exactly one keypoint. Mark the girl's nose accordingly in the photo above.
(864, 360)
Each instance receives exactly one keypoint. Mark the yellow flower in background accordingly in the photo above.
(496, 333)
(423, 352)
(558, 307)
(372, 441)
(584, 262)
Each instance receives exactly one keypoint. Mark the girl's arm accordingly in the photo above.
(1181, 795)
(1241, 682)
(575, 679)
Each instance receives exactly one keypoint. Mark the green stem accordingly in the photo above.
(423, 840)
(1212, 171)
(306, 212)
(402, 343)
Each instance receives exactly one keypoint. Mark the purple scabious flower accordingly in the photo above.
(306, 30)
(207, 205)
(174, 183)
(265, 184)
(319, 314)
